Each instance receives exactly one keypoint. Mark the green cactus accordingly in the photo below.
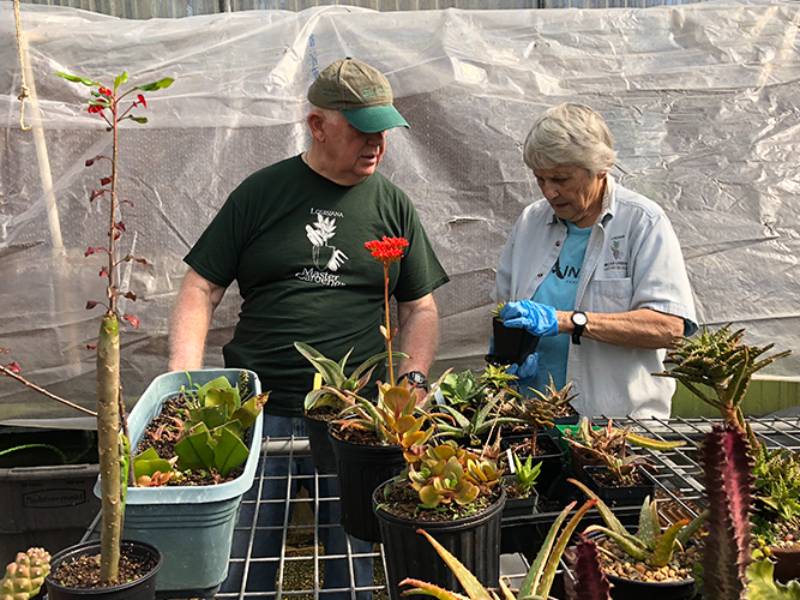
(650, 544)
(25, 576)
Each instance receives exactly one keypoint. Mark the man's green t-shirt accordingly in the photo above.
(294, 242)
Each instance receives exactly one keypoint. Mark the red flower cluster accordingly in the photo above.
(96, 108)
(105, 91)
(388, 249)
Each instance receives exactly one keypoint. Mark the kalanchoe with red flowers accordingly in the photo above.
(387, 250)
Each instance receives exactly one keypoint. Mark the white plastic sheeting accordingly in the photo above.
(704, 101)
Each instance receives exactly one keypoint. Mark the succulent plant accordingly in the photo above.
(537, 582)
(471, 427)
(445, 473)
(588, 582)
(526, 474)
(25, 576)
(337, 390)
(777, 488)
(608, 446)
(650, 544)
(721, 361)
(560, 400)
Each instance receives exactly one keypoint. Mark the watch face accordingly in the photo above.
(417, 378)
(579, 318)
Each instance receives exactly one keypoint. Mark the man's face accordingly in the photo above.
(352, 154)
(574, 193)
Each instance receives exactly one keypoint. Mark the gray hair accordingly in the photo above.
(570, 134)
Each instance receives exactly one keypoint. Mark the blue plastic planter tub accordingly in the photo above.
(192, 526)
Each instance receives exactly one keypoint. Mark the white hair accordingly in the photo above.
(570, 134)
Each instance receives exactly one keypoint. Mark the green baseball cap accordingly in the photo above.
(360, 92)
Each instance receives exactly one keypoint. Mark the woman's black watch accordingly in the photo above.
(579, 321)
(416, 379)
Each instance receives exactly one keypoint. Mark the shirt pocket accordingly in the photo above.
(609, 295)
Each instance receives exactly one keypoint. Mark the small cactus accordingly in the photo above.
(589, 583)
(25, 576)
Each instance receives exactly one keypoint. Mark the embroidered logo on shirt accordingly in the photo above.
(326, 257)
(617, 263)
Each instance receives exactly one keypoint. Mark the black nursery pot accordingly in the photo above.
(321, 448)
(143, 588)
(517, 528)
(627, 589)
(474, 540)
(633, 495)
(787, 563)
(551, 459)
(511, 344)
(361, 468)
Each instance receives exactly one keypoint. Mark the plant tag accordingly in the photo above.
(510, 458)
(317, 381)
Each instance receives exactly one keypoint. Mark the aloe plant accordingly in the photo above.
(716, 366)
(538, 581)
(25, 576)
(650, 544)
(525, 474)
(338, 390)
(453, 423)
(608, 446)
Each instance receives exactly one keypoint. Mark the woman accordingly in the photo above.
(597, 271)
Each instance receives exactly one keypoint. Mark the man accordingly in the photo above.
(292, 235)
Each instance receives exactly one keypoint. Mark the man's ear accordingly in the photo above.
(315, 121)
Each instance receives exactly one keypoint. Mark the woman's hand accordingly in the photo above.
(538, 319)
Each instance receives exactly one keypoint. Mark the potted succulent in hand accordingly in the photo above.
(335, 392)
(655, 562)
(602, 458)
(509, 344)
(456, 495)
(537, 583)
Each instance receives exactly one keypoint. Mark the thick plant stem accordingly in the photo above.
(108, 445)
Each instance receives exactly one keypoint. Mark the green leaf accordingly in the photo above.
(148, 462)
(156, 85)
(468, 581)
(196, 451)
(121, 78)
(649, 526)
(247, 414)
(77, 79)
(423, 588)
(609, 518)
(211, 416)
(761, 583)
(531, 582)
(140, 120)
(230, 452)
(627, 543)
(665, 544)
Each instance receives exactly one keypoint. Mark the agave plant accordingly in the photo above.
(559, 400)
(650, 544)
(446, 473)
(538, 581)
(719, 360)
(608, 446)
(337, 390)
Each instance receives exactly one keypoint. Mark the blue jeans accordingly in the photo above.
(274, 514)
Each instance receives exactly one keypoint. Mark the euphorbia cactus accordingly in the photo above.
(25, 576)
(588, 582)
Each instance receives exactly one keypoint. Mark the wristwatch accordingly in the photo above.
(416, 378)
(579, 321)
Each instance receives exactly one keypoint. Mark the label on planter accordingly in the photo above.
(54, 498)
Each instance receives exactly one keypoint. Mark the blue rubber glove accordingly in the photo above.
(526, 371)
(538, 319)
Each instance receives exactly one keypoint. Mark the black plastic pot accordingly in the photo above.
(787, 563)
(511, 344)
(627, 589)
(517, 527)
(632, 495)
(141, 589)
(321, 448)
(362, 468)
(551, 457)
(474, 540)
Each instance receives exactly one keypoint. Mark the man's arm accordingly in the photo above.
(191, 319)
(418, 331)
(641, 328)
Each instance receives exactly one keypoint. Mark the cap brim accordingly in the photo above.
(372, 119)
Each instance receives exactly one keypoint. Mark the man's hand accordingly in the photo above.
(538, 319)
